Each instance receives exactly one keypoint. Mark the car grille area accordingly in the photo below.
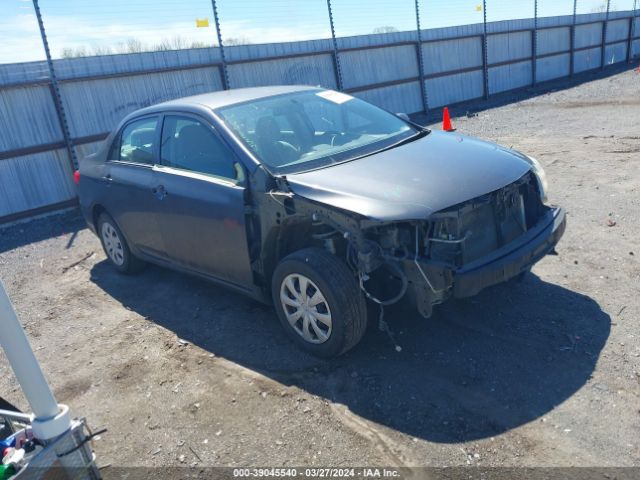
(473, 229)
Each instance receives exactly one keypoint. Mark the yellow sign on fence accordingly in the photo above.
(202, 23)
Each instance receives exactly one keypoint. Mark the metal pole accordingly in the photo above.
(573, 39)
(632, 25)
(50, 419)
(604, 35)
(336, 56)
(55, 92)
(223, 59)
(485, 55)
(534, 44)
(423, 87)
(635, 20)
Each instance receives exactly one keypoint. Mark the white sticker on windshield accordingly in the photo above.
(335, 97)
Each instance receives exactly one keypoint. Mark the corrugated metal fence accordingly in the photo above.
(408, 71)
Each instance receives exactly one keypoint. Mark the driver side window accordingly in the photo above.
(189, 144)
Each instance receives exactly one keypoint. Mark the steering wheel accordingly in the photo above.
(333, 134)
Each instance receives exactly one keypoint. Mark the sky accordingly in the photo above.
(106, 25)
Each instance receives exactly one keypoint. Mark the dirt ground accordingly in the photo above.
(545, 372)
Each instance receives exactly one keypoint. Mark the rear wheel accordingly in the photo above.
(319, 302)
(115, 246)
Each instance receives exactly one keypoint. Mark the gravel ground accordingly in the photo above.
(545, 372)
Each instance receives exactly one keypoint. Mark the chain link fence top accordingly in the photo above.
(19, 34)
(272, 21)
(355, 17)
(621, 5)
(21, 42)
(554, 8)
(499, 10)
(78, 28)
(591, 6)
(91, 27)
(451, 13)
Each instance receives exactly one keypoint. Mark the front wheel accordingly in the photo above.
(319, 302)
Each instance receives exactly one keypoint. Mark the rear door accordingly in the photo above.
(200, 193)
(128, 180)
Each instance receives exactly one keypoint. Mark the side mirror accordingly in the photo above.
(403, 116)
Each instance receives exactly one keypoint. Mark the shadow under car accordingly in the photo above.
(477, 368)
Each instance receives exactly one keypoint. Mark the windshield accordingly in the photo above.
(305, 130)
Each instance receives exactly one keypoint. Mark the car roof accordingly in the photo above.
(224, 98)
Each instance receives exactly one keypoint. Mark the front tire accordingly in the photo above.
(115, 246)
(319, 302)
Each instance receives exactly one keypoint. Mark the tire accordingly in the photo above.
(115, 246)
(342, 301)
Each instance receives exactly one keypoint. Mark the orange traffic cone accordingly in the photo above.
(446, 121)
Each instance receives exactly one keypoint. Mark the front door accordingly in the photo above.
(200, 190)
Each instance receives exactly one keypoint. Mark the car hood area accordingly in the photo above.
(414, 180)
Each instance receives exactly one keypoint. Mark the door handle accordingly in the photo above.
(107, 179)
(160, 192)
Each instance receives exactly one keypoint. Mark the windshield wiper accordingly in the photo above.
(422, 133)
(419, 134)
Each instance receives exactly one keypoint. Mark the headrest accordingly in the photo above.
(142, 137)
(267, 129)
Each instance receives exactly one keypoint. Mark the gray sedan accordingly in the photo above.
(317, 202)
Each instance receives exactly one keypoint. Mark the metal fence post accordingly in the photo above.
(632, 26)
(50, 419)
(572, 40)
(534, 43)
(55, 92)
(423, 87)
(604, 35)
(485, 55)
(336, 57)
(223, 59)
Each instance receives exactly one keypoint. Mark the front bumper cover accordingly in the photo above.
(434, 282)
(508, 262)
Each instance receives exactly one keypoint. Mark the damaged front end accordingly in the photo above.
(484, 241)
(457, 251)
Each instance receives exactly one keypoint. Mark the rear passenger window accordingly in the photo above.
(191, 145)
(137, 141)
